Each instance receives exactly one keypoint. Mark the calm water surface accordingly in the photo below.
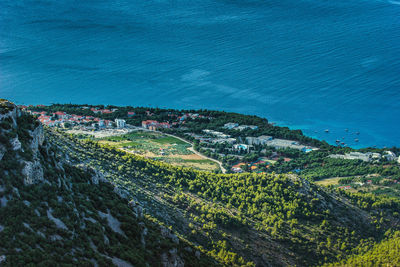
(307, 64)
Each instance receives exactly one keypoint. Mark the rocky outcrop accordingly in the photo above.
(37, 138)
(9, 110)
(15, 144)
(32, 172)
(136, 208)
(143, 234)
(97, 176)
(166, 232)
(172, 259)
(3, 151)
(121, 192)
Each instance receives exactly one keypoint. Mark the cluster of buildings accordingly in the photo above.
(192, 116)
(282, 144)
(181, 118)
(261, 140)
(253, 166)
(277, 143)
(215, 137)
(61, 119)
(177, 119)
(103, 111)
(216, 133)
(236, 126)
(368, 156)
(154, 125)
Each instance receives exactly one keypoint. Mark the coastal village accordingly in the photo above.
(230, 140)
(237, 146)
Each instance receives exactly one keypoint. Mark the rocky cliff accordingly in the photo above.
(55, 214)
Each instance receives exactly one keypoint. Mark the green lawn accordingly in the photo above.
(170, 140)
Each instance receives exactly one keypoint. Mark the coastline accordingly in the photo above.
(314, 129)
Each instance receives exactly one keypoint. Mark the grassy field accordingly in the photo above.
(329, 181)
(160, 147)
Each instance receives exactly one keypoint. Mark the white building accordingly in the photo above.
(354, 156)
(230, 125)
(376, 156)
(224, 140)
(244, 127)
(120, 123)
(101, 123)
(389, 155)
(261, 140)
(216, 133)
(239, 147)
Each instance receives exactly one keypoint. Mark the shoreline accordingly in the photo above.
(336, 131)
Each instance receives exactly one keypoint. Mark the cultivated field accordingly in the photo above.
(161, 147)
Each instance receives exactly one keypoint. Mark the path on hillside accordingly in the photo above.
(191, 148)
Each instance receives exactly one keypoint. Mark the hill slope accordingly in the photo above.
(268, 220)
(53, 213)
(385, 253)
(71, 201)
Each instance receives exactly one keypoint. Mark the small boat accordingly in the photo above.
(346, 130)
(343, 143)
(357, 133)
(327, 130)
(356, 140)
(337, 141)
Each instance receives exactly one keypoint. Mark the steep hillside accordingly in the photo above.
(53, 213)
(76, 202)
(385, 253)
(266, 220)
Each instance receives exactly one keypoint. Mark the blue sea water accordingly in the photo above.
(306, 64)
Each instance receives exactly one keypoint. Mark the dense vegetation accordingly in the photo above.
(385, 253)
(68, 218)
(276, 218)
(289, 211)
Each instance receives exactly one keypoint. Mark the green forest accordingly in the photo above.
(71, 201)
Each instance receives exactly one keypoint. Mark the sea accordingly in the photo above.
(314, 65)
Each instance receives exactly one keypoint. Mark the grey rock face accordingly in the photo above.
(121, 192)
(172, 259)
(13, 114)
(15, 144)
(3, 151)
(37, 138)
(136, 208)
(143, 234)
(165, 232)
(32, 172)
